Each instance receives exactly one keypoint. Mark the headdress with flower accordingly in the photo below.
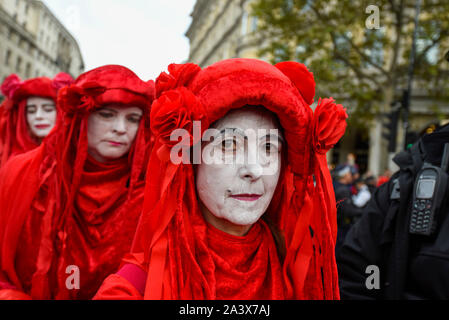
(303, 207)
(88, 205)
(15, 136)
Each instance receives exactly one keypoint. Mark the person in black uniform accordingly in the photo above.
(347, 211)
(410, 266)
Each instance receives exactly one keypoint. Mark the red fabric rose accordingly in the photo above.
(79, 99)
(62, 80)
(177, 109)
(179, 75)
(329, 125)
(10, 85)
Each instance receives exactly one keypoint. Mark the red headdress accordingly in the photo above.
(100, 86)
(15, 137)
(88, 205)
(168, 241)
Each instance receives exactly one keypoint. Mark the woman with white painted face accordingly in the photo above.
(28, 113)
(65, 227)
(246, 160)
(248, 212)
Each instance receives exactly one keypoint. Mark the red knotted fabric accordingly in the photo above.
(177, 255)
(15, 135)
(60, 209)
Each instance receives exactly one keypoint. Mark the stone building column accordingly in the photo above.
(375, 147)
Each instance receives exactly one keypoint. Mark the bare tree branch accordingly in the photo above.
(364, 56)
(434, 42)
(357, 71)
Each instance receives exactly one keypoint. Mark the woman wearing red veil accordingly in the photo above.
(28, 113)
(259, 225)
(69, 208)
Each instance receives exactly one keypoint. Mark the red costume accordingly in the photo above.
(177, 255)
(15, 136)
(59, 207)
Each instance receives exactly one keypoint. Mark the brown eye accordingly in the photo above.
(268, 147)
(134, 119)
(31, 109)
(271, 148)
(49, 108)
(106, 114)
(229, 145)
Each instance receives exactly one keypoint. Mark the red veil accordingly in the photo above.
(59, 208)
(174, 253)
(15, 136)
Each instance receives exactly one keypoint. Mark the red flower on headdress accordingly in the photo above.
(179, 75)
(10, 85)
(177, 109)
(62, 80)
(80, 99)
(329, 125)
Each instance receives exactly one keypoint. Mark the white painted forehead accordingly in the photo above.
(39, 99)
(248, 117)
(121, 107)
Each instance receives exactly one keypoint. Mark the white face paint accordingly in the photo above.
(240, 191)
(111, 131)
(40, 115)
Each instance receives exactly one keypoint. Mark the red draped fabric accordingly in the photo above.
(60, 209)
(251, 259)
(15, 136)
(176, 255)
(93, 238)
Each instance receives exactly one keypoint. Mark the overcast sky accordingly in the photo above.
(143, 35)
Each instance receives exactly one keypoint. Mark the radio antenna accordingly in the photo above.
(445, 159)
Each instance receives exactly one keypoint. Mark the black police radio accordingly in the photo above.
(428, 196)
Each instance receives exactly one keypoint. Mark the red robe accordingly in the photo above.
(63, 215)
(242, 268)
(35, 255)
(175, 255)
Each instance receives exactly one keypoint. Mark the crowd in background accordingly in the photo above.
(353, 190)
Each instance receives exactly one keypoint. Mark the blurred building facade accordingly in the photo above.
(222, 29)
(34, 43)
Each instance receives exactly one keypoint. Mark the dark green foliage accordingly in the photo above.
(351, 62)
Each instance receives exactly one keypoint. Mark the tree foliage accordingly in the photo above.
(366, 68)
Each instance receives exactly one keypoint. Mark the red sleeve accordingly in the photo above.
(18, 184)
(115, 287)
(10, 294)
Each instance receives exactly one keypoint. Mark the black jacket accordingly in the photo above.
(347, 212)
(411, 266)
